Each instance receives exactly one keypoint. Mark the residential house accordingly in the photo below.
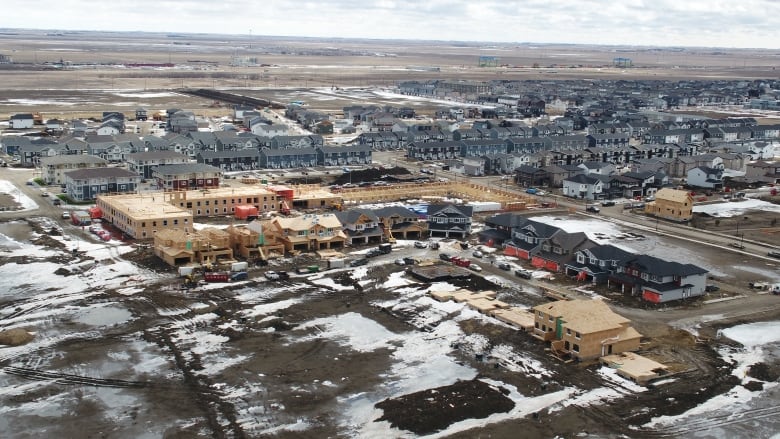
(583, 329)
(671, 204)
(232, 160)
(659, 281)
(86, 184)
(401, 222)
(555, 252)
(768, 172)
(498, 229)
(286, 158)
(478, 148)
(274, 130)
(344, 155)
(53, 169)
(449, 220)
(31, 154)
(310, 141)
(704, 177)
(310, 232)
(256, 241)
(186, 176)
(595, 264)
(597, 168)
(208, 246)
(361, 226)
(434, 150)
(608, 140)
(142, 163)
(22, 121)
(583, 186)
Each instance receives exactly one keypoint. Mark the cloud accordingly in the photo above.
(748, 23)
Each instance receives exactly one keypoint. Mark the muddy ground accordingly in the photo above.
(289, 372)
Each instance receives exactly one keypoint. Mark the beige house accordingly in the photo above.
(256, 240)
(671, 204)
(310, 232)
(583, 329)
(207, 246)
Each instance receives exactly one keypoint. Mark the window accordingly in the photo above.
(568, 331)
(154, 223)
(577, 335)
(175, 222)
(575, 348)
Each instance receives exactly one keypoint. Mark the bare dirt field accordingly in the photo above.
(74, 72)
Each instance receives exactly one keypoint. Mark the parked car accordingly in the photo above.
(400, 262)
(736, 245)
(57, 202)
(444, 257)
(607, 203)
(434, 245)
(711, 288)
(358, 262)
(593, 209)
(525, 274)
(65, 215)
(504, 266)
(44, 194)
(475, 267)
(774, 254)
(477, 254)
(420, 244)
(241, 275)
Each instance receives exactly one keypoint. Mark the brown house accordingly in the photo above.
(583, 329)
(256, 240)
(177, 247)
(671, 204)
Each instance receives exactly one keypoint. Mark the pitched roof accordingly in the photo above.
(584, 316)
(88, 173)
(185, 168)
(660, 267)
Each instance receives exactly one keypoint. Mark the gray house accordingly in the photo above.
(286, 158)
(449, 220)
(87, 184)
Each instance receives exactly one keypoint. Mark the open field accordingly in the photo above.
(94, 70)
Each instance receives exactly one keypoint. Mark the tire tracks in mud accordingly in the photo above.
(65, 378)
(201, 389)
(710, 422)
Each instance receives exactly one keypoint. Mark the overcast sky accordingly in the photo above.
(745, 23)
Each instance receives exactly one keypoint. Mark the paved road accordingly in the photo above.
(19, 178)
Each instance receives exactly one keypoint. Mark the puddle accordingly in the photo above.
(12, 233)
(104, 316)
